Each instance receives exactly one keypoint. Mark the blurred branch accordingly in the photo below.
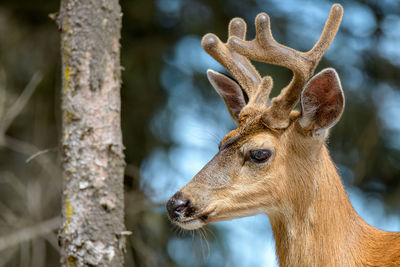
(8, 215)
(7, 255)
(2, 92)
(52, 239)
(41, 152)
(20, 103)
(9, 178)
(29, 233)
(29, 150)
(12, 113)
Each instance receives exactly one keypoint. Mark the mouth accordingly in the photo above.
(196, 222)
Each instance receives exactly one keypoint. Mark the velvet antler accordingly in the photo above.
(235, 55)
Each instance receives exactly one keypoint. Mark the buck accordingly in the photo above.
(276, 161)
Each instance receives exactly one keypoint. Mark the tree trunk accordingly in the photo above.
(92, 231)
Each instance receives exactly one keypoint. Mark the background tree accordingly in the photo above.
(92, 230)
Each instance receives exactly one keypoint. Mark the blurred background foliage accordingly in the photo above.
(172, 120)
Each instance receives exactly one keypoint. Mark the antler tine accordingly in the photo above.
(328, 34)
(239, 66)
(265, 48)
(261, 96)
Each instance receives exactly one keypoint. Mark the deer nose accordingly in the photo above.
(179, 206)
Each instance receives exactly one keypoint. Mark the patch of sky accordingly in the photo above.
(389, 42)
(389, 6)
(349, 157)
(372, 210)
(196, 12)
(269, 6)
(195, 251)
(189, 159)
(171, 12)
(185, 100)
(342, 53)
(189, 57)
(168, 12)
(203, 129)
(159, 179)
(291, 7)
(250, 242)
(391, 25)
(359, 20)
(387, 99)
(346, 174)
(158, 125)
(182, 95)
(181, 250)
(352, 77)
(169, 6)
(303, 26)
(165, 171)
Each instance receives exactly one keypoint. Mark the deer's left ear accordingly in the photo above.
(230, 91)
(322, 103)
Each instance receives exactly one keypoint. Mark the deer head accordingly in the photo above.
(263, 165)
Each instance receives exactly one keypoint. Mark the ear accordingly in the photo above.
(230, 91)
(322, 103)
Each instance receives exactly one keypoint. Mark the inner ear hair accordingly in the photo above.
(322, 102)
(231, 92)
(245, 96)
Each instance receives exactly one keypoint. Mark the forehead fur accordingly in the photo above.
(252, 120)
(249, 124)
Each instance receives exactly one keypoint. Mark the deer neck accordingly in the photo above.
(320, 226)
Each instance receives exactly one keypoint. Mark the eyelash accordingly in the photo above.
(258, 155)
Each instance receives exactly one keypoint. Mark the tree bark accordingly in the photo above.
(92, 231)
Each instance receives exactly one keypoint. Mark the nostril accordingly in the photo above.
(178, 206)
(180, 209)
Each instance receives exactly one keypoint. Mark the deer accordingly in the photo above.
(276, 161)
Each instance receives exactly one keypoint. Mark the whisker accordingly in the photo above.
(203, 236)
(208, 230)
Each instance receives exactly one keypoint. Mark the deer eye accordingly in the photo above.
(260, 155)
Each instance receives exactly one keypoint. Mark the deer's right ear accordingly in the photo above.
(230, 91)
(322, 102)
